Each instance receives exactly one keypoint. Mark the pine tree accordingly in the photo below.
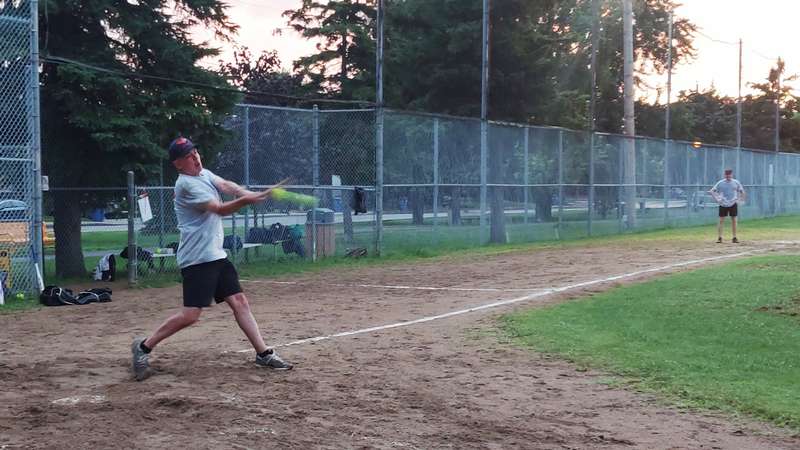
(97, 122)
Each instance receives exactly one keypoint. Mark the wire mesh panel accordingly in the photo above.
(409, 174)
(575, 178)
(505, 174)
(459, 177)
(650, 208)
(18, 147)
(102, 216)
(540, 182)
(607, 213)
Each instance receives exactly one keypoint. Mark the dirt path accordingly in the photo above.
(448, 383)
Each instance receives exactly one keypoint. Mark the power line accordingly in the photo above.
(61, 60)
(719, 41)
(746, 48)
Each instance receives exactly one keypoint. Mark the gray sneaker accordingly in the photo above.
(273, 361)
(141, 361)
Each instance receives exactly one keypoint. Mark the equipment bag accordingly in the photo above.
(57, 296)
(96, 295)
(359, 200)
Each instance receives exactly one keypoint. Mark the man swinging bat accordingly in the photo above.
(207, 273)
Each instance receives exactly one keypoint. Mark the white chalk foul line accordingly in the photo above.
(397, 286)
(524, 298)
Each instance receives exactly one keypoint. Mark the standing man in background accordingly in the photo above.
(207, 273)
(728, 192)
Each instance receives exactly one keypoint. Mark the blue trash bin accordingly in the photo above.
(97, 215)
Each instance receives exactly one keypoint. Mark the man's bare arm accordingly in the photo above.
(231, 188)
(227, 208)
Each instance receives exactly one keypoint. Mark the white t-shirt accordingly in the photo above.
(728, 192)
(201, 230)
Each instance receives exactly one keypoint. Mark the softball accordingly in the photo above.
(20, 296)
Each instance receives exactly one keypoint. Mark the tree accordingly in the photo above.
(345, 64)
(758, 111)
(539, 54)
(99, 120)
(261, 76)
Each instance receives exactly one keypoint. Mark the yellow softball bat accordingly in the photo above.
(283, 195)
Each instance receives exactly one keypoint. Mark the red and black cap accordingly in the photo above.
(179, 148)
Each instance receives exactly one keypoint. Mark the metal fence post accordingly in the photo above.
(379, 112)
(435, 175)
(161, 204)
(132, 259)
(484, 155)
(315, 178)
(688, 181)
(667, 188)
(621, 208)
(234, 247)
(36, 147)
(590, 206)
(247, 171)
(560, 181)
(526, 170)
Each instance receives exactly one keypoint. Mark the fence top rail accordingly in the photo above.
(523, 125)
(304, 110)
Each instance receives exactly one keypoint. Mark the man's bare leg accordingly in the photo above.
(187, 316)
(265, 357)
(244, 317)
(141, 347)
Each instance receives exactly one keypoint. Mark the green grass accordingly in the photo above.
(13, 304)
(721, 338)
(408, 243)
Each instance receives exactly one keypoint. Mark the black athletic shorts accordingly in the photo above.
(732, 211)
(212, 280)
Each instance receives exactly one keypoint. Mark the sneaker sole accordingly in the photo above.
(274, 368)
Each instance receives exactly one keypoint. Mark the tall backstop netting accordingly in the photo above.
(529, 184)
(20, 223)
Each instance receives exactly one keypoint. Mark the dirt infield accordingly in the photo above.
(446, 383)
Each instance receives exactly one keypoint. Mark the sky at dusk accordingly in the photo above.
(767, 28)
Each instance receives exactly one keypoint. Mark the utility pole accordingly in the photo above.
(629, 122)
(739, 113)
(778, 109)
(667, 123)
(379, 116)
(484, 120)
(669, 80)
(592, 109)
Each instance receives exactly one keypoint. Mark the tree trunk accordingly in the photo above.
(544, 204)
(498, 226)
(67, 228)
(455, 206)
(417, 199)
(630, 127)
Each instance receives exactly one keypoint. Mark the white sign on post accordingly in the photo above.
(336, 180)
(144, 207)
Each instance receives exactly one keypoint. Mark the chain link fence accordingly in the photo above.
(20, 223)
(541, 184)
